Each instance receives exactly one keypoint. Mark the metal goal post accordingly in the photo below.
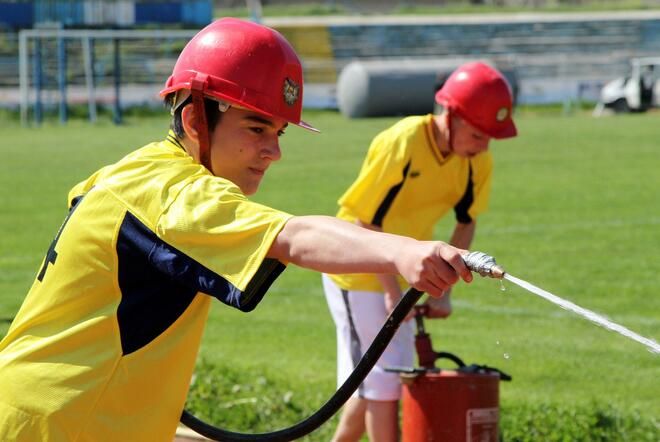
(58, 67)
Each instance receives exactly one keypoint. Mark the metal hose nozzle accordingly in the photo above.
(484, 265)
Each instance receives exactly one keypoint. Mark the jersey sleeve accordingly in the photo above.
(382, 174)
(83, 187)
(227, 236)
(477, 193)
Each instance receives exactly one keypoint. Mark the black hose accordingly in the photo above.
(333, 404)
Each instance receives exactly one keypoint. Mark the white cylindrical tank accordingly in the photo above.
(388, 87)
(375, 88)
(393, 87)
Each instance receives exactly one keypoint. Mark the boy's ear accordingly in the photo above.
(189, 122)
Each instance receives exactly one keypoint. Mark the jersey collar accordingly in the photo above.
(433, 145)
(173, 139)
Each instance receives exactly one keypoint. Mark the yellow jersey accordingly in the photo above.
(406, 185)
(104, 346)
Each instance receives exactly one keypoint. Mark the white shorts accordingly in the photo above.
(359, 316)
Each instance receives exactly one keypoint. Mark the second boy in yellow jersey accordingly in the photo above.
(414, 173)
(407, 184)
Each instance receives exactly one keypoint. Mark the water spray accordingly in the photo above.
(652, 346)
(485, 265)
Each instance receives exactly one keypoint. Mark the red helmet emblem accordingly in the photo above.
(291, 91)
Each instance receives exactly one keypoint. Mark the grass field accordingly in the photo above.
(574, 209)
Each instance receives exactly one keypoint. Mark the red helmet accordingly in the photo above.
(244, 63)
(481, 95)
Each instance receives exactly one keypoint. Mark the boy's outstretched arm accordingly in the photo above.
(330, 245)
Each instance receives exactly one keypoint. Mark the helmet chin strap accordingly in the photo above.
(197, 86)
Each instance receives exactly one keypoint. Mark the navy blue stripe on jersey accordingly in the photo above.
(75, 201)
(389, 199)
(461, 209)
(158, 283)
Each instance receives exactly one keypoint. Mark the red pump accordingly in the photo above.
(448, 405)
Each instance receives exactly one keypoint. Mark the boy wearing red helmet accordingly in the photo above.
(104, 345)
(414, 173)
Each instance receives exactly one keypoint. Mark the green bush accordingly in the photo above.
(251, 401)
(255, 402)
(592, 422)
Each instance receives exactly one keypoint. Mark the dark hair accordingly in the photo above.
(440, 80)
(213, 114)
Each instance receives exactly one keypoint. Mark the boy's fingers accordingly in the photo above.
(446, 274)
(455, 260)
(432, 288)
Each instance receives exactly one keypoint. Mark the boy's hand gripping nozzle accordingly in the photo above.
(484, 265)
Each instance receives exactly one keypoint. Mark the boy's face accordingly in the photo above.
(468, 141)
(243, 145)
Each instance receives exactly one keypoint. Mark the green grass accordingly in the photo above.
(574, 210)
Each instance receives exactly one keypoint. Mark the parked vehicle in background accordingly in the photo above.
(638, 92)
